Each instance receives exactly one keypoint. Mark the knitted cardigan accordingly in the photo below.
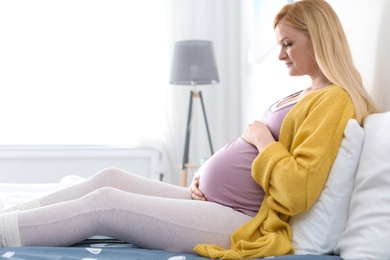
(292, 172)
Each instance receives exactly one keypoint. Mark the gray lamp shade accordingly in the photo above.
(194, 63)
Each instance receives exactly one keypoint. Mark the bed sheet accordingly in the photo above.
(119, 253)
(102, 248)
(90, 253)
(12, 193)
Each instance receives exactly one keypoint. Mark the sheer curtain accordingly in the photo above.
(264, 76)
(219, 22)
(82, 72)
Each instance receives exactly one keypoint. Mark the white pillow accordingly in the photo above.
(318, 230)
(367, 235)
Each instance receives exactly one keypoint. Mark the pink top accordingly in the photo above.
(274, 116)
(226, 177)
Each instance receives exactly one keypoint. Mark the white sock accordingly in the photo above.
(32, 204)
(9, 230)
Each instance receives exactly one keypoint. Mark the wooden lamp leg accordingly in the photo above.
(183, 177)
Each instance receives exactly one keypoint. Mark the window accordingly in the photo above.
(82, 71)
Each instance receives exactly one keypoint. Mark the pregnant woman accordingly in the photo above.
(239, 205)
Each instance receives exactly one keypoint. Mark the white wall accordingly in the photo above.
(366, 25)
(265, 80)
(44, 164)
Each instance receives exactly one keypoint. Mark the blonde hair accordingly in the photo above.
(317, 19)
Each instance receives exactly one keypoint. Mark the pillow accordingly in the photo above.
(367, 235)
(317, 230)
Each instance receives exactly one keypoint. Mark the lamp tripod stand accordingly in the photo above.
(193, 64)
(185, 165)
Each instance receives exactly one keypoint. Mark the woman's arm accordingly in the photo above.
(294, 170)
(259, 135)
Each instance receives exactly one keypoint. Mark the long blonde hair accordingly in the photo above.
(317, 19)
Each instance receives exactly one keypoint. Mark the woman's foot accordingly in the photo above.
(32, 204)
(9, 230)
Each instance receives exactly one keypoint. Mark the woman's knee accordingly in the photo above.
(108, 172)
(109, 177)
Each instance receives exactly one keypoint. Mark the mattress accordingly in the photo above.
(117, 253)
(90, 253)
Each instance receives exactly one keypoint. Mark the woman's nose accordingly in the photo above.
(282, 55)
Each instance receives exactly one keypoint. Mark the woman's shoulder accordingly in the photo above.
(331, 98)
(333, 92)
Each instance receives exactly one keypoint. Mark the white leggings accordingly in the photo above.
(141, 211)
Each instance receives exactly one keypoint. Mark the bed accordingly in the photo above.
(351, 218)
(98, 247)
(118, 253)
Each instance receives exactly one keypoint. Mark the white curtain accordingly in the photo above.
(82, 72)
(219, 22)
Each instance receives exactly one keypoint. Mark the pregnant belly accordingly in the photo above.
(226, 178)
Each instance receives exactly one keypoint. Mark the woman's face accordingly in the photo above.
(296, 51)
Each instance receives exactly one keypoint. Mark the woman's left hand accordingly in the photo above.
(196, 194)
(258, 134)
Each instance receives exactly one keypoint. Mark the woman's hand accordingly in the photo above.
(196, 194)
(258, 134)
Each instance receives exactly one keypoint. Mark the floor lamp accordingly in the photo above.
(193, 64)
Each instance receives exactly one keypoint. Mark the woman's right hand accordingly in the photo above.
(196, 194)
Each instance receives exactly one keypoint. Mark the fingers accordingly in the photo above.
(196, 194)
(196, 197)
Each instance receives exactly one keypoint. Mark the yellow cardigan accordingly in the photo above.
(292, 172)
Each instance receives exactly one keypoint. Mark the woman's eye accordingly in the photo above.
(287, 44)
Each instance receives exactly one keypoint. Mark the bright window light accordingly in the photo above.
(82, 72)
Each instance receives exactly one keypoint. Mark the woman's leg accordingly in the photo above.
(118, 179)
(110, 177)
(146, 221)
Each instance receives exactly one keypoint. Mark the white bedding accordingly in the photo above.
(11, 193)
